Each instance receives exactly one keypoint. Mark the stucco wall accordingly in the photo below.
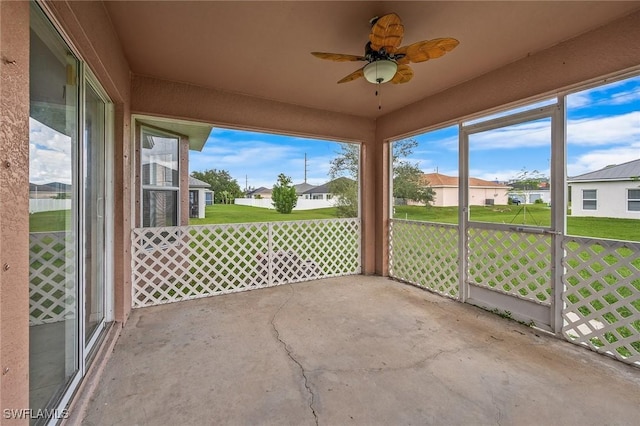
(448, 197)
(477, 196)
(611, 199)
(14, 206)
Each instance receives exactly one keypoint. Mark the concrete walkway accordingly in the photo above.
(352, 351)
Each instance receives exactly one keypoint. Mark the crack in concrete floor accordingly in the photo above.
(290, 355)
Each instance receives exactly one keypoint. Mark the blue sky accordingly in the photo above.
(256, 159)
(603, 128)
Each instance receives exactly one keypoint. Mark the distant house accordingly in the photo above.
(610, 192)
(301, 188)
(481, 192)
(200, 194)
(261, 192)
(50, 190)
(323, 192)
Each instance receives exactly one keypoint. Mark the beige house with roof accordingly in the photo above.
(481, 192)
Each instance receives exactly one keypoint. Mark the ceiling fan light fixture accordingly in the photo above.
(380, 71)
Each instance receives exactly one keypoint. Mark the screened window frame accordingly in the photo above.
(594, 199)
(160, 188)
(635, 200)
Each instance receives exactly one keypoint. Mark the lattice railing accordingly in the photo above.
(602, 296)
(511, 262)
(425, 254)
(51, 269)
(179, 263)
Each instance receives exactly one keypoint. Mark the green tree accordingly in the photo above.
(344, 179)
(407, 180)
(284, 194)
(220, 181)
(345, 192)
(525, 182)
(225, 197)
(407, 177)
(409, 185)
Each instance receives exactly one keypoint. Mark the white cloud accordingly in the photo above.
(50, 158)
(579, 100)
(256, 162)
(600, 158)
(530, 134)
(618, 129)
(627, 97)
(605, 95)
(594, 131)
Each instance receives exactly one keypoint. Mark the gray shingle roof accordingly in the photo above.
(324, 189)
(261, 190)
(301, 188)
(624, 171)
(197, 183)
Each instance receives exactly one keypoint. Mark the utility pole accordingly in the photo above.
(246, 183)
(305, 167)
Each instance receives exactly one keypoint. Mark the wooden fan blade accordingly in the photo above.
(403, 75)
(387, 32)
(354, 75)
(427, 49)
(338, 57)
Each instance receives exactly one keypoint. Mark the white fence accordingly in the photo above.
(425, 254)
(601, 280)
(301, 204)
(48, 204)
(188, 262)
(602, 296)
(51, 277)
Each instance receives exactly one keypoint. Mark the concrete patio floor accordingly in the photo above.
(352, 351)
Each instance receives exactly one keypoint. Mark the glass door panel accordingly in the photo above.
(94, 229)
(53, 204)
(510, 225)
(509, 174)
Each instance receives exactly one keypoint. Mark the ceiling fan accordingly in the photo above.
(386, 60)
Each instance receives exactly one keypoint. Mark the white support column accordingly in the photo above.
(463, 211)
(558, 210)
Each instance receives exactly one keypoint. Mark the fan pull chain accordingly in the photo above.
(378, 91)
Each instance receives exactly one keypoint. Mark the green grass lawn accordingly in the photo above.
(616, 229)
(598, 227)
(55, 220)
(231, 213)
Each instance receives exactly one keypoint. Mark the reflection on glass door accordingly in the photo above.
(53, 148)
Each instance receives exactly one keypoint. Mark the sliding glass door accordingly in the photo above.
(67, 287)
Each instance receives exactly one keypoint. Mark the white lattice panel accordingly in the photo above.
(178, 263)
(514, 263)
(311, 249)
(51, 269)
(602, 296)
(425, 254)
